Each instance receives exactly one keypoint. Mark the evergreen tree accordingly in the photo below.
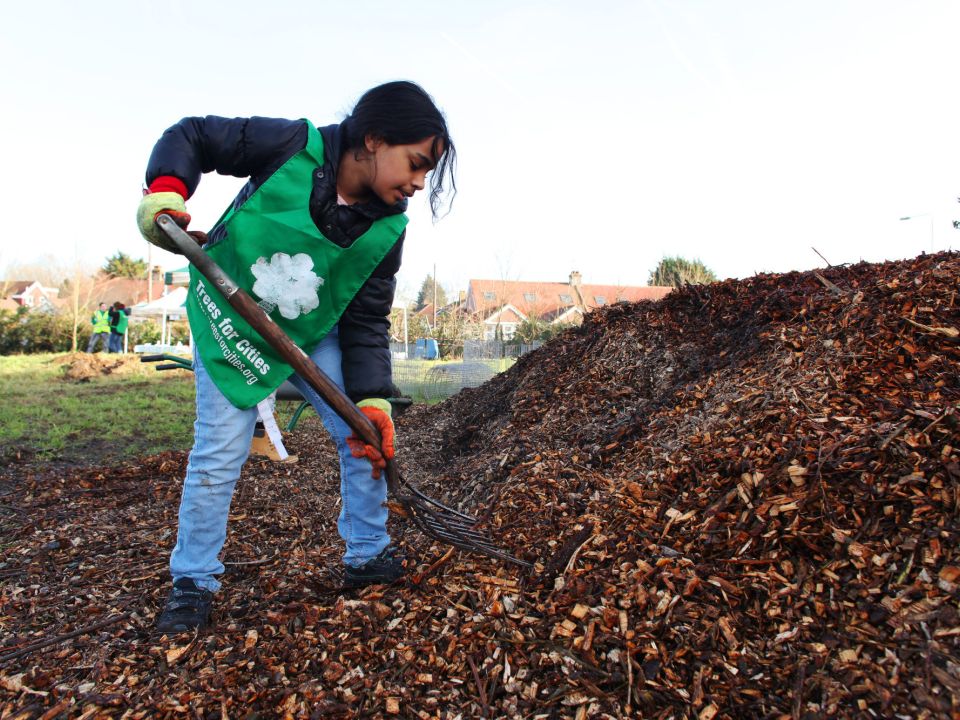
(122, 265)
(677, 272)
(425, 296)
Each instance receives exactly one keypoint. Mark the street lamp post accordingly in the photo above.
(926, 215)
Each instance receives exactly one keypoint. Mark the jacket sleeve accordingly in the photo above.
(242, 147)
(365, 331)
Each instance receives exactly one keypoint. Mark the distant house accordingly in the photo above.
(431, 317)
(505, 304)
(427, 313)
(131, 291)
(27, 293)
(102, 288)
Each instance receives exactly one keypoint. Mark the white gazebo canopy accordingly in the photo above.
(173, 303)
(172, 306)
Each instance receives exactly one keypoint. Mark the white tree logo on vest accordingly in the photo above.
(287, 283)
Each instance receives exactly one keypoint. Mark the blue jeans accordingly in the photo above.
(222, 435)
(103, 337)
(116, 342)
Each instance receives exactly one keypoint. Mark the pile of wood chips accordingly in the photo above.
(742, 501)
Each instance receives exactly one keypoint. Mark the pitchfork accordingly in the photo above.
(432, 517)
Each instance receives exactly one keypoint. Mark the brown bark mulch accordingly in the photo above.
(741, 502)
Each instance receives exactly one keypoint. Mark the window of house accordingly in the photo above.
(564, 298)
(529, 297)
(601, 299)
(488, 295)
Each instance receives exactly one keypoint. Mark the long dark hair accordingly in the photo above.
(401, 113)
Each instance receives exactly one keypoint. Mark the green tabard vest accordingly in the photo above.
(122, 322)
(274, 251)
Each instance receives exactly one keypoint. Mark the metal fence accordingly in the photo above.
(495, 349)
(435, 380)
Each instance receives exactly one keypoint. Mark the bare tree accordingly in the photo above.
(502, 293)
(85, 283)
(539, 304)
(78, 283)
(48, 270)
(452, 329)
(5, 280)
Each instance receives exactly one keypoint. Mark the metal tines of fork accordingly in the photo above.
(452, 526)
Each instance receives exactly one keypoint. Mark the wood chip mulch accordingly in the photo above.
(741, 502)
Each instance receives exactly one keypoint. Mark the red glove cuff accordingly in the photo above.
(169, 183)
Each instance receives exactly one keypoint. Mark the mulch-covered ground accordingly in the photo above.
(742, 501)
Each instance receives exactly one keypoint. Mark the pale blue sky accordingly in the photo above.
(596, 137)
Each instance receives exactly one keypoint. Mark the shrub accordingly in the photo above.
(180, 333)
(145, 332)
(26, 331)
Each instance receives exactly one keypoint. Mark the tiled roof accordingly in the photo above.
(30, 293)
(508, 314)
(548, 300)
(129, 291)
(597, 295)
(14, 287)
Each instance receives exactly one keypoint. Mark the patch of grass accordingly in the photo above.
(134, 410)
(433, 381)
(77, 409)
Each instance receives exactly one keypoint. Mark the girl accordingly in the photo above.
(316, 235)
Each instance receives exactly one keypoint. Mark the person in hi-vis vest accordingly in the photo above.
(315, 236)
(100, 332)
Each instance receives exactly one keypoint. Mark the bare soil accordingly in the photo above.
(82, 367)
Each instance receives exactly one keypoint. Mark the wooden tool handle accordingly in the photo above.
(276, 338)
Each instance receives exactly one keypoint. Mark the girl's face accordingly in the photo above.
(400, 170)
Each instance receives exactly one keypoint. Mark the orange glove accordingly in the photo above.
(377, 411)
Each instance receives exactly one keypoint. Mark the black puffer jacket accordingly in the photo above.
(256, 148)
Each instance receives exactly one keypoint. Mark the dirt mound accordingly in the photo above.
(742, 502)
(80, 366)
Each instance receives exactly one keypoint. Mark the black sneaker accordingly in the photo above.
(383, 569)
(188, 608)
